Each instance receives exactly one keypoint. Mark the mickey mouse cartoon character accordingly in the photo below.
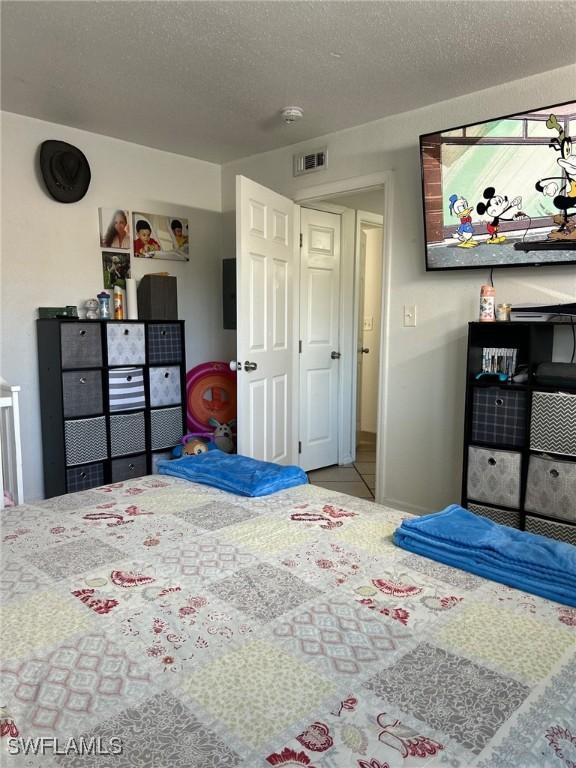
(496, 206)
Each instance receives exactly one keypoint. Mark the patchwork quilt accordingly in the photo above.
(192, 628)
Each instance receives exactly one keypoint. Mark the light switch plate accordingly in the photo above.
(409, 315)
(368, 324)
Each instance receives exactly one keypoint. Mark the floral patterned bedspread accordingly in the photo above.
(206, 630)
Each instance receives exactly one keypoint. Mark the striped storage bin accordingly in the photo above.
(553, 423)
(552, 529)
(494, 476)
(499, 416)
(85, 440)
(551, 488)
(501, 516)
(126, 389)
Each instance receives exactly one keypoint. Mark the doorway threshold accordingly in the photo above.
(356, 479)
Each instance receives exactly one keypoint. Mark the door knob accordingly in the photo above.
(335, 355)
(235, 365)
(248, 366)
(364, 350)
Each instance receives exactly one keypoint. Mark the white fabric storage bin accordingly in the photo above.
(551, 488)
(553, 423)
(494, 476)
(165, 386)
(125, 343)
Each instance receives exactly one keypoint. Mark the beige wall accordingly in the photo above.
(371, 338)
(426, 377)
(51, 256)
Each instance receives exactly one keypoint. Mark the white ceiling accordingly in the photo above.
(207, 79)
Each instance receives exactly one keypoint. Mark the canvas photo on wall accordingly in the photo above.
(115, 268)
(115, 228)
(160, 237)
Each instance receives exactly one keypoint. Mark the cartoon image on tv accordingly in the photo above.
(501, 192)
(465, 233)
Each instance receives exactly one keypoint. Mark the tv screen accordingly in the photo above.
(501, 193)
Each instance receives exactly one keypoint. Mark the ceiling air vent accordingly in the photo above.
(309, 162)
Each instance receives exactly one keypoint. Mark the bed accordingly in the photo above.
(203, 629)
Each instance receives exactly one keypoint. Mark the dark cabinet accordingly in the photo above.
(520, 436)
(111, 397)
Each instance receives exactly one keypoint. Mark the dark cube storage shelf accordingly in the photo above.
(92, 435)
(519, 438)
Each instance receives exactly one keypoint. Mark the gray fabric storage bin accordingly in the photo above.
(127, 434)
(165, 427)
(494, 476)
(85, 440)
(126, 389)
(125, 343)
(164, 343)
(125, 469)
(552, 529)
(82, 393)
(81, 345)
(501, 516)
(82, 478)
(165, 386)
(499, 416)
(551, 488)
(553, 423)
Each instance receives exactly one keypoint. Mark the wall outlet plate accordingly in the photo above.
(368, 324)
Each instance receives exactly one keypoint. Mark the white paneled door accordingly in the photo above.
(265, 268)
(319, 334)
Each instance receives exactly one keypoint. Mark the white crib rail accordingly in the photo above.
(10, 446)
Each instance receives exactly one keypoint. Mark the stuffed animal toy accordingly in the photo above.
(223, 435)
(191, 446)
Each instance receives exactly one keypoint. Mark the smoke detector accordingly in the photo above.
(292, 114)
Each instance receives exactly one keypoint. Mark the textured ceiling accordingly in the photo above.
(207, 79)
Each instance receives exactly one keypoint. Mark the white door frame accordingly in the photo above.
(364, 219)
(384, 181)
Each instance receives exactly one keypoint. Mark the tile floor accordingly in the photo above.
(356, 479)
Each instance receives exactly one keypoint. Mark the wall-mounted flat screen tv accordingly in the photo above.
(501, 193)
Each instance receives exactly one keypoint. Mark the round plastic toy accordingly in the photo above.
(210, 394)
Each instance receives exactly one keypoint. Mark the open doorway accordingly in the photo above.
(354, 295)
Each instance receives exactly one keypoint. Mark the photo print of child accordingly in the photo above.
(160, 237)
(114, 228)
(116, 268)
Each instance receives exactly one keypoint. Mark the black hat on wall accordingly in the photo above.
(65, 171)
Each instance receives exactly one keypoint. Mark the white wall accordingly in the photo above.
(426, 376)
(51, 256)
(371, 338)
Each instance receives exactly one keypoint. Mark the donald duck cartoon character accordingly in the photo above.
(459, 207)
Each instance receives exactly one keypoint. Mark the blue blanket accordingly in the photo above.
(234, 473)
(520, 559)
